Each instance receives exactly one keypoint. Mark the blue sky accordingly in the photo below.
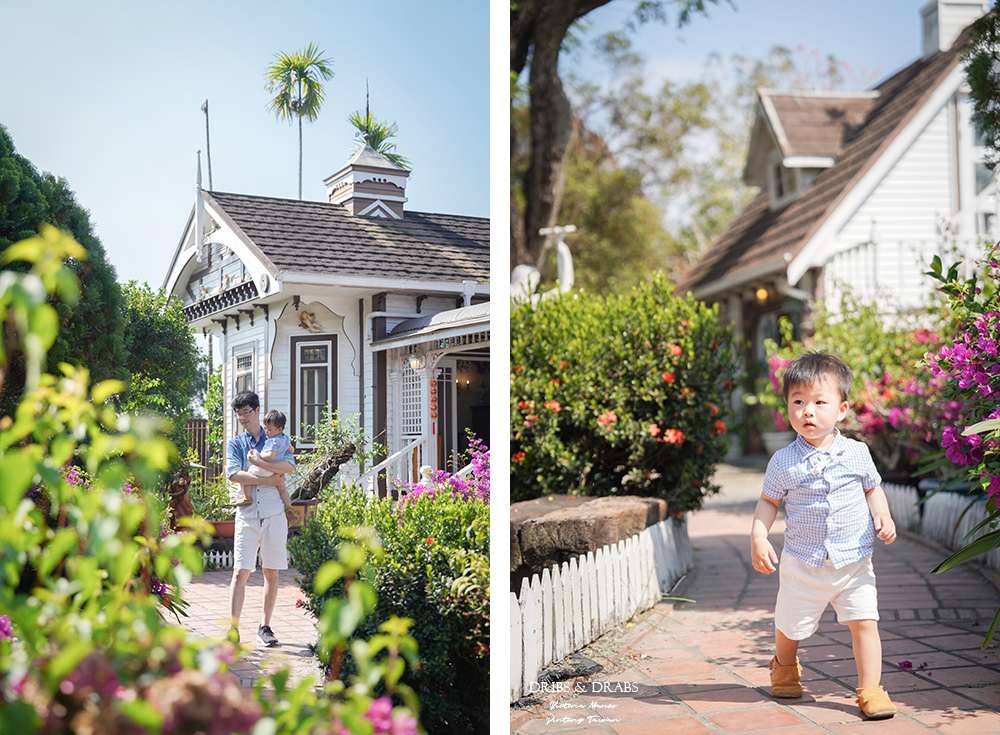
(878, 35)
(108, 95)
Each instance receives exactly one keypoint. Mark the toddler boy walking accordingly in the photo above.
(834, 506)
(275, 446)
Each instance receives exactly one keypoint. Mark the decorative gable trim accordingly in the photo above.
(379, 209)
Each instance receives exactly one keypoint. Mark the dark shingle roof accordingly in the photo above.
(817, 124)
(759, 236)
(317, 237)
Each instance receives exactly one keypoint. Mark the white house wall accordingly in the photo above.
(886, 246)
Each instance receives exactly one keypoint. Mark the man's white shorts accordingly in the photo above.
(269, 535)
(805, 591)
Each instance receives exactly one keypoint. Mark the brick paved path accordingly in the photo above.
(700, 667)
(295, 629)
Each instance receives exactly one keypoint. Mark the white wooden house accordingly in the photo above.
(353, 305)
(857, 190)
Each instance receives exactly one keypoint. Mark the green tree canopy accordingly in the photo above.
(167, 368)
(91, 331)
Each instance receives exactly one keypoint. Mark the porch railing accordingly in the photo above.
(402, 467)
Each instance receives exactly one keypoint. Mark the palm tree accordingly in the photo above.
(376, 135)
(296, 80)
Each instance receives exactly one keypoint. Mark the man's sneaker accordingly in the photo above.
(266, 636)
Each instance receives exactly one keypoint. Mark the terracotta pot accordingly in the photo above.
(224, 529)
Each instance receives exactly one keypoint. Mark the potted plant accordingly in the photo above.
(211, 500)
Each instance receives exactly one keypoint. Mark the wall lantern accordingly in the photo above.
(417, 361)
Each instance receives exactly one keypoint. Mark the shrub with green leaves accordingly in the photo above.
(435, 570)
(85, 647)
(623, 394)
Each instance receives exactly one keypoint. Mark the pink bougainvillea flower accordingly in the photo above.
(906, 664)
(653, 430)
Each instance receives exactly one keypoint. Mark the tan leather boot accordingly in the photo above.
(786, 681)
(875, 703)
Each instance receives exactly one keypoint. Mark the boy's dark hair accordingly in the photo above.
(275, 418)
(811, 367)
(246, 398)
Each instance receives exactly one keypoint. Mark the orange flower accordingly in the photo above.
(562, 364)
(429, 540)
(608, 417)
(653, 429)
(668, 377)
(553, 406)
(673, 436)
(529, 419)
(675, 351)
(720, 427)
(713, 410)
(555, 381)
(518, 457)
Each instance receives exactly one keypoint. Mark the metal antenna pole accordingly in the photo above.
(208, 147)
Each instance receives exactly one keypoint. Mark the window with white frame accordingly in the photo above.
(243, 373)
(982, 202)
(410, 411)
(313, 384)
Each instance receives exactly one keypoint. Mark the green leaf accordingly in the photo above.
(978, 547)
(141, 713)
(105, 389)
(60, 544)
(326, 576)
(992, 630)
(17, 470)
(982, 427)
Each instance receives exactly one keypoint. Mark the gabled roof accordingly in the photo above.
(761, 241)
(318, 237)
(816, 123)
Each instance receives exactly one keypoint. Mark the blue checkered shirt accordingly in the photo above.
(826, 512)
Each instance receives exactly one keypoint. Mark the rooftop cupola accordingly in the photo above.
(944, 20)
(369, 185)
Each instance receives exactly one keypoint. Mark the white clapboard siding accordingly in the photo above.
(572, 604)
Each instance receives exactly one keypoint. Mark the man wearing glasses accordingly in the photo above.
(261, 525)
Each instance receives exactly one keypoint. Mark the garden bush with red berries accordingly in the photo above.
(625, 394)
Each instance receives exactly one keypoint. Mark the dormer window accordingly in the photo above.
(782, 181)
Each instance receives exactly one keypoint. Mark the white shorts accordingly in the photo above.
(805, 591)
(269, 535)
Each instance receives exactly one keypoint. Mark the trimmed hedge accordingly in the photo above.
(625, 394)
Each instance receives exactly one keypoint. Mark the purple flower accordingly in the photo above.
(6, 629)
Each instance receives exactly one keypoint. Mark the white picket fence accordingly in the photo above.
(215, 559)
(573, 604)
(942, 520)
